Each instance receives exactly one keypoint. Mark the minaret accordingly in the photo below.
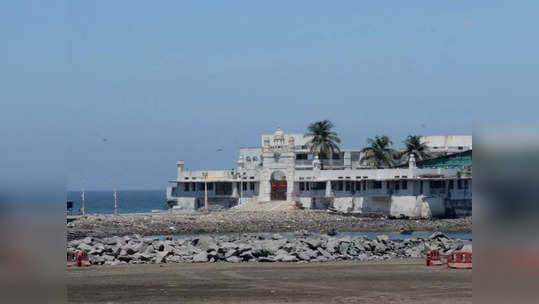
(411, 162)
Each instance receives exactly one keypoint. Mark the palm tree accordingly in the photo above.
(415, 146)
(379, 154)
(324, 141)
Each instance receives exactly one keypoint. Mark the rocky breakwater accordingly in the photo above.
(305, 247)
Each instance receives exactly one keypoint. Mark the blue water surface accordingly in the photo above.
(370, 235)
(129, 201)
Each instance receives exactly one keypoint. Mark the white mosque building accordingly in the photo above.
(283, 169)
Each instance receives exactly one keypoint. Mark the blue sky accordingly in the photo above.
(171, 80)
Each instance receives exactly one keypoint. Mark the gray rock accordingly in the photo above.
(160, 256)
(380, 248)
(227, 246)
(271, 247)
(234, 259)
(231, 252)
(96, 259)
(173, 259)
(265, 259)
(382, 238)
(332, 245)
(242, 247)
(438, 235)
(313, 243)
(321, 259)
(201, 257)
(125, 258)
(276, 236)
(343, 247)
(247, 255)
(285, 257)
(325, 254)
(86, 247)
(302, 233)
(207, 243)
(467, 247)
(304, 256)
(107, 257)
(145, 256)
(87, 240)
(113, 263)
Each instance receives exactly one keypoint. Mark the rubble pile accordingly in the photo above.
(260, 247)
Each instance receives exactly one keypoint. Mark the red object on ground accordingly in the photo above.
(459, 260)
(434, 258)
(82, 258)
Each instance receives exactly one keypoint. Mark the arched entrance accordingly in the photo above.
(278, 186)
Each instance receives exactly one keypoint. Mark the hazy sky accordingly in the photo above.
(176, 80)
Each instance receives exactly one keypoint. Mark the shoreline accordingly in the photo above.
(166, 223)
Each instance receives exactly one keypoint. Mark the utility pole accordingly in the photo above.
(82, 196)
(205, 175)
(115, 195)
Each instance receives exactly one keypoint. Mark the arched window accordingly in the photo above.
(248, 158)
(255, 158)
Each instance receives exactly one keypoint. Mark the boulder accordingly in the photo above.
(242, 247)
(467, 247)
(234, 259)
(382, 238)
(271, 247)
(125, 258)
(285, 257)
(107, 257)
(113, 263)
(87, 240)
(173, 259)
(96, 259)
(201, 257)
(438, 235)
(380, 248)
(86, 247)
(325, 254)
(146, 257)
(231, 252)
(247, 255)
(304, 256)
(160, 256)
(332, 245)
(207, 243)
(343, 247)
(276, 236)
(313, 243)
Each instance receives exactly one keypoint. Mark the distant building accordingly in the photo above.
(448, 143)
(283, 169)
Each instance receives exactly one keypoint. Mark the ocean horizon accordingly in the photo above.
(129, 201)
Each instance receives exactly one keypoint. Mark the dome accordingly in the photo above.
(279, 132)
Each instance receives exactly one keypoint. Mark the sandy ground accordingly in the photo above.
(395, 281)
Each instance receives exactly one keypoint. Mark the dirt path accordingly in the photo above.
(396, 281)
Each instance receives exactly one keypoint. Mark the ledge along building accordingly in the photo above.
(284, 169)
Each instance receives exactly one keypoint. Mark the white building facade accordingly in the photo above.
(283, 169)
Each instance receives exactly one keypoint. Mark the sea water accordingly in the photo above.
(129, 201)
